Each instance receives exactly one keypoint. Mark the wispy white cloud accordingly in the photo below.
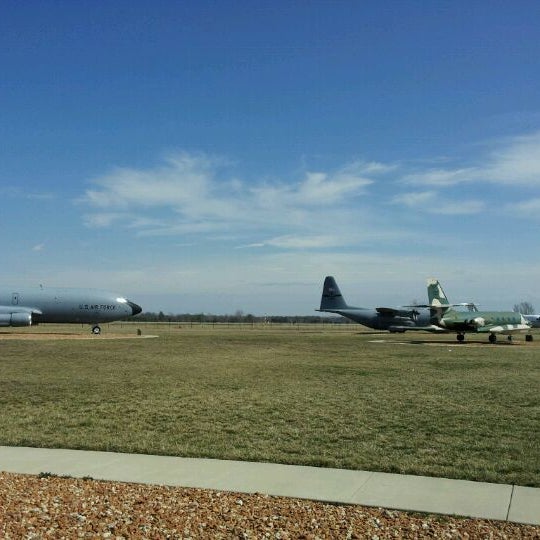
(304, 242)
(316, 189)
(530, 208)
(441, 177)
(517, 161)
(250, 246)
(102, 219)
(320, 188)
(183, 180)
(431, 202)
(415, 199)
(199, 198)
(514, 161)
(20, 193)
(188, 195)
(460, 208)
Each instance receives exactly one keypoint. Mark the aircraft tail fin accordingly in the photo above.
(332, 299)
(436, 295)
(438, 302)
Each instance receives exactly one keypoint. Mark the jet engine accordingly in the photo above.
(20, 318)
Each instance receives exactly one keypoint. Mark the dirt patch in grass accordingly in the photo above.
(42, 336)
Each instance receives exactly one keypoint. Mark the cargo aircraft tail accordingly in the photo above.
(331, 298)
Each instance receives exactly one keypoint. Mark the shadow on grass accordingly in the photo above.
(468, 343)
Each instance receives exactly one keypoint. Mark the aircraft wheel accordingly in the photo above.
(96, 330)
(460, 337)
(492, 338)
(528, 337)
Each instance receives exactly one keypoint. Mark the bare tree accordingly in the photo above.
(526, 308)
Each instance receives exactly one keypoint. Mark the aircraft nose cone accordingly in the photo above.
(135, 308)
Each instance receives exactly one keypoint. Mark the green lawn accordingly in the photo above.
(312, 395)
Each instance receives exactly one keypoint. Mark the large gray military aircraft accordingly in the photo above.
(24, 307)
(381, 318)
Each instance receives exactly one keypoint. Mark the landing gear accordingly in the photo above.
(460, 337)
(96, 330)
(492, 338)
(528, 337)
(510, 338)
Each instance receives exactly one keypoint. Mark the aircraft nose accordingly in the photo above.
(135, 308)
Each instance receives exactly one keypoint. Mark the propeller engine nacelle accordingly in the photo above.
(478, 321)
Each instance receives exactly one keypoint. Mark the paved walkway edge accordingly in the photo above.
(401, 492)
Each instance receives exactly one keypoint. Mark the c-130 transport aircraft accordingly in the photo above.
(27, 306)
(380, 318)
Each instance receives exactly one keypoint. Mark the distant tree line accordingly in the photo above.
(526, 308)
(238, 317)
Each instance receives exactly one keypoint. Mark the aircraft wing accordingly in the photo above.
(431, 328)
(504, 329)
(471, 306)
(20, 309)
(394, 312)
(387, 311)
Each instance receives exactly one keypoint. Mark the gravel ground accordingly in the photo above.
(54, 507)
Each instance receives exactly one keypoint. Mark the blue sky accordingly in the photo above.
(223, 156)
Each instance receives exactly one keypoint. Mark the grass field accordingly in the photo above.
(321, 395)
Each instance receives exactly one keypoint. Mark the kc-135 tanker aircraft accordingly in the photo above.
(27, 306)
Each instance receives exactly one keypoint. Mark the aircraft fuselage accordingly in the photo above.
(26, 306)
(484, 321)
(383, 321)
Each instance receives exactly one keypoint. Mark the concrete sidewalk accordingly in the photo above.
(400, 492)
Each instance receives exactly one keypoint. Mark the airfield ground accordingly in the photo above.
(327, 395)
(323, 395)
